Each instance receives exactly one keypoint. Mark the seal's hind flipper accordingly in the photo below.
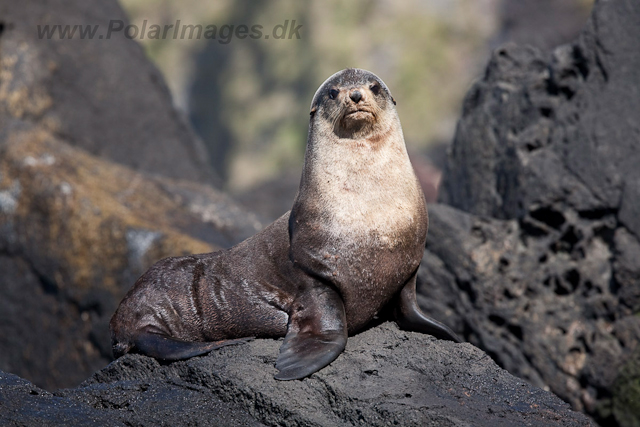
(410, 318)
(316, 335)
(164, 347)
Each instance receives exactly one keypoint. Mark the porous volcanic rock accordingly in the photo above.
(541, 269)
(385, 377)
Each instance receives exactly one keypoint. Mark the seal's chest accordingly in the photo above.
(382, 219)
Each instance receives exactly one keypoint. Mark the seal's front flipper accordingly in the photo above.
(316, 335)
(410, 318)
(302, 354)
(164, 347)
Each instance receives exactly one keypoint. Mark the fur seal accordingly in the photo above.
(350, 246)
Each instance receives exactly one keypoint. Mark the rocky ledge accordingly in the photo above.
(385, 377)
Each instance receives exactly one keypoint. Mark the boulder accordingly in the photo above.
(99, 177)
(535, 259)
(385, 377)
(96, 92)
(76, 232)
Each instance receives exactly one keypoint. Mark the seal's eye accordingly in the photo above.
(333, 93)
(375, 88)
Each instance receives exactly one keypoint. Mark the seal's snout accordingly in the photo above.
(355, 96)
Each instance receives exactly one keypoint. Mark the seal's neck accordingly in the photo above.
(359, 184)
(359, 160)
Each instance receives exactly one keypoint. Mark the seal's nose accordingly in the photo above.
(355, 96)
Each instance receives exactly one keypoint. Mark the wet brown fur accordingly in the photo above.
(357, 228)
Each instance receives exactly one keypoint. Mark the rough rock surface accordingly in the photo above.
(385, 377)
(125, 404)
(76, 230)
(542, 270)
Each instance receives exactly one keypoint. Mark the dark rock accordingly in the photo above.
(125, 404)
(385, 377)
(544, 24)
(23, 404)
(541, 305)
(101, 95)
(536, 130)
(626, 394)
(541, 270)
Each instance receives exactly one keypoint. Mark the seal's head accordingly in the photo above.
(354, 104)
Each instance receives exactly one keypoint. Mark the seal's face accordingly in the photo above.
(352, 102)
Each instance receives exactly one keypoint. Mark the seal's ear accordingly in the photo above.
(394, 101)
(313, 110)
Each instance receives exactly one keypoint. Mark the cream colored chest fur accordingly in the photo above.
(367, 190)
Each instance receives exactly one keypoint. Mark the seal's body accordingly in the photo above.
(350, 246)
